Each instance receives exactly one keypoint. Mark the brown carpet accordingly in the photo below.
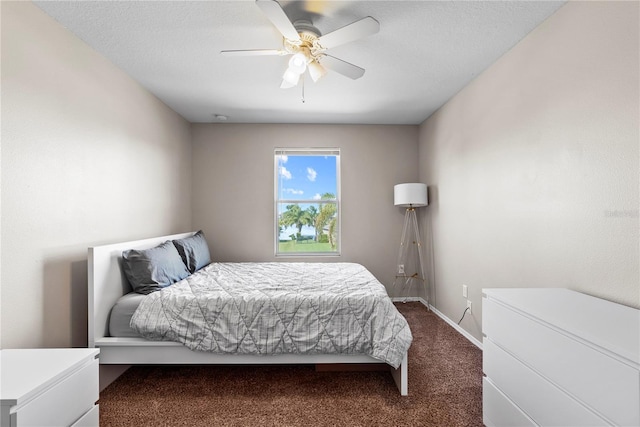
(445, 389)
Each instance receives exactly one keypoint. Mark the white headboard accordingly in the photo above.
(107, 282)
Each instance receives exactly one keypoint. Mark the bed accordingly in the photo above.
(108, 284)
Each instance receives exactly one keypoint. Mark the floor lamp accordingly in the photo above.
(410, 196)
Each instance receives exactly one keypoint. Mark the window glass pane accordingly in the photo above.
(307, 177)
(307, 202)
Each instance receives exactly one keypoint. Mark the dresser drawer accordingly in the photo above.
(498, 410)
(542, 401)
(591, 376)
(90, 419)
(65, 402)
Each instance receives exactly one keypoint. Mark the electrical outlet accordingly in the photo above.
(464, 291)
(400, 268)
(469, 305)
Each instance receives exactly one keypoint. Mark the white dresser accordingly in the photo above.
(49, 387)
(555, 357)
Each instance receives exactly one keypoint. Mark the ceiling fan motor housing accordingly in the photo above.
(304, 27)
(307, 44)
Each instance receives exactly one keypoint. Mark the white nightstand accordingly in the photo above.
(49, 387)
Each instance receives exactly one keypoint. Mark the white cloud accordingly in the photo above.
(311, 174)
(317, 196)
(283, 158)
(285, 173)
(292, 191)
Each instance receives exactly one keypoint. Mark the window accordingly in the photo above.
(307, 202)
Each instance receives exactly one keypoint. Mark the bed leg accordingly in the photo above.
(401, 377)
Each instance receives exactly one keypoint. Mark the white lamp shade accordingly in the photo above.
(316, 71)
(286, 85)
(298, 63)
(289, 79)
(410, 195)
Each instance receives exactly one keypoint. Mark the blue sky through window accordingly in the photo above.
(306, 177)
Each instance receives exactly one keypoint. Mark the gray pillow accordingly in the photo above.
(194, 251)
(152, 269)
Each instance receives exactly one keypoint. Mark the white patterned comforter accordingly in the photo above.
(274, 308)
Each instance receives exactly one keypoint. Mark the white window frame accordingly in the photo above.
(306, 152)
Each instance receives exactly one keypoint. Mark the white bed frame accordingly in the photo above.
(107, 283)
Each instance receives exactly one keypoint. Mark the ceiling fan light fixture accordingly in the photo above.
(285, 84)
(298, 63)
(316, 71)
(289, 79)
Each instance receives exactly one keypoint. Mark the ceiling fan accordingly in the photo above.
(308, 46)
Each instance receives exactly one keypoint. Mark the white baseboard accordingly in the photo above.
(453, 324)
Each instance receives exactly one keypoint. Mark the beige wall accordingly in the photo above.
(533, 167)
(88, 157)
(233, 194)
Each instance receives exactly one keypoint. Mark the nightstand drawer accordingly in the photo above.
(567, 362)
(542, 401)
(65, 402)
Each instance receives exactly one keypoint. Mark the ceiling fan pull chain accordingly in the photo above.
(302, 77)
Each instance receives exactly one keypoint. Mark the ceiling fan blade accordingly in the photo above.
(339, 66)
(354, 31)
(278, 18)
(254, 52)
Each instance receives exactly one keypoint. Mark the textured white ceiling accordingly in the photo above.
(425, 52)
